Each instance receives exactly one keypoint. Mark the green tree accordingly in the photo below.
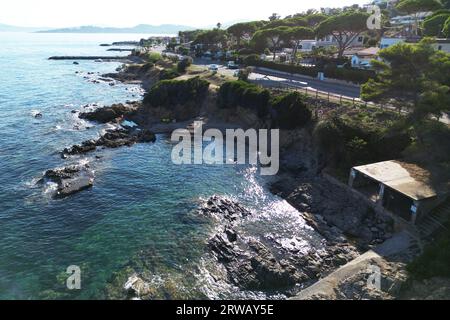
(274, 16)
(446, 30)
(212, 38)
(296, 36)
(413, 7)
(239, 30)
(412, 76)
(191, 35)
(274, 36)
(344, 27)
(314, 19)
(433, 25)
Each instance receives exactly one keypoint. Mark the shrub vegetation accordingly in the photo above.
(246, 95)
(169, 93)
(290, 111)
(359, 138)
(331, 71)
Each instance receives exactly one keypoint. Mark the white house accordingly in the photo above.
(328, 41)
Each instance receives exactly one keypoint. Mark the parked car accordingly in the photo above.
(232, 65)
(214, 67)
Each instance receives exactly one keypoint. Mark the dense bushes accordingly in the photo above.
(168, 74)
(253, 60)
(169, 93)
(244, 94)
(286, 111)
(353, 75)
(349, 140)
(290, 111)
(435, 260)
(184, 64)
(175, 71)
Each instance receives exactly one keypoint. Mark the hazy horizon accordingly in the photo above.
(52, 14)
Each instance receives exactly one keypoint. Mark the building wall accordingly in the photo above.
(387, 42)
(445, 46)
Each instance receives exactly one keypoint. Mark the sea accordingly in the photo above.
(140, 202)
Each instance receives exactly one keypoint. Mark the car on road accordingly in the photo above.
(214, 67)
(232, 65)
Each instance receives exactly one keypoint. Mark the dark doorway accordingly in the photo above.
(397, 203)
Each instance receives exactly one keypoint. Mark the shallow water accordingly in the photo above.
(140, 199)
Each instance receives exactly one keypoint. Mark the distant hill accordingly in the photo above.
(142, 28)
(8, 28)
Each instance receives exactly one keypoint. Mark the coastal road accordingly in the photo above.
(271, 78)
(335, 87)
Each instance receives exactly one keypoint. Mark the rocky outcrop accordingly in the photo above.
(333, 211)
(111, 113)
(145, 74)
(112, 139)
(70, 180)
(250, 264)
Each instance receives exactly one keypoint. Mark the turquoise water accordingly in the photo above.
(140, 199)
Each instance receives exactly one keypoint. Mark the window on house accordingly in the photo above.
(440, 48)
(360, 39)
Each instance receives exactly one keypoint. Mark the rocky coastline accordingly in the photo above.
(348, 226)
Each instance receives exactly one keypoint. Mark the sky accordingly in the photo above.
(114, 13)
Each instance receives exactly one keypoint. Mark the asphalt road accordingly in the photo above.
(269, 78)
(332, 86)
(273, 78)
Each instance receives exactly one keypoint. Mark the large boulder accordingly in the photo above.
(70, 180)
(109, 114)
(249, 263)
(112, 139)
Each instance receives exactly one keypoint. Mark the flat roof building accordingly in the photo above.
(404, 189)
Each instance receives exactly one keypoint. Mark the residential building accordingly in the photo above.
(387, 42)
(362, 59)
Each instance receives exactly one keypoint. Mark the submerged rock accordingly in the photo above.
(70, 180)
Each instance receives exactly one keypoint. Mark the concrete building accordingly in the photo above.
(403, 189)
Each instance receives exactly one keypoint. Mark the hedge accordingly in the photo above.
(290, 111)
(348, 141)
(353, 75)
(286, 111)
(169, 93)
(244, 94)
